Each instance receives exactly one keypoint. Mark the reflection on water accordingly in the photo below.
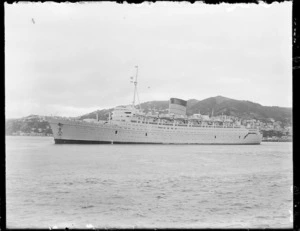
(163, 186)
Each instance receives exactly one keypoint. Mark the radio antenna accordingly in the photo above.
(135, 93)
(135, 85)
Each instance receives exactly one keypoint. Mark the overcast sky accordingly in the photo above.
(71, 59)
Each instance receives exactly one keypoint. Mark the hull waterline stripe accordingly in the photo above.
(64, 141)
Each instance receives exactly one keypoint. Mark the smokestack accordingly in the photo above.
(177, 106)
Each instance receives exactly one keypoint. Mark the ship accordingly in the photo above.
(129, 124)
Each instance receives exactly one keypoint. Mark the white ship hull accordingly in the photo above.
(72, 131)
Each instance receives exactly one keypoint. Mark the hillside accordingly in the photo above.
(240, 108)
(216, 105)
(31, 124)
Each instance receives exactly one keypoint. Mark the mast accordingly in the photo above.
(135, 86)
(135, 93)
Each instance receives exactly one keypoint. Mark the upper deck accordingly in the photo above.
(128, 114)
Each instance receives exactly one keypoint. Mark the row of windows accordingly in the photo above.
(185, 125)
(146, 134)
(173, 128)
(116, 132)
(180, 125)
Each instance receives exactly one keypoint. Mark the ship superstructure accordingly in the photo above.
(130, 125)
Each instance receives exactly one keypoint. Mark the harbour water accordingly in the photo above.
(156, 186)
